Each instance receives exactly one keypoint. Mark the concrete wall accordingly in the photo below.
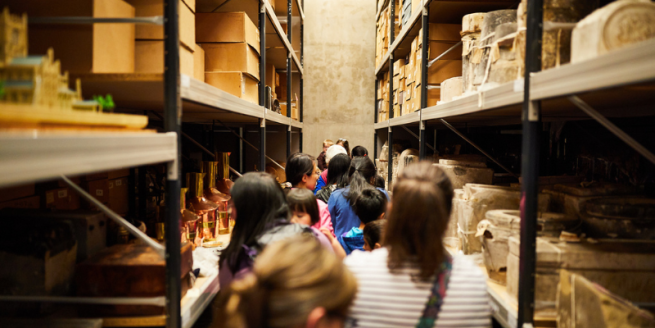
(339, 73)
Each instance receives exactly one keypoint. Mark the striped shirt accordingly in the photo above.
(394, 300)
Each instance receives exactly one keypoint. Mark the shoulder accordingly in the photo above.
(384, 192)
(358, 259)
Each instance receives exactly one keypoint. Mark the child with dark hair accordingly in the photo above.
(303, 206)
(373, 232)
(379, 182)
(369, 206)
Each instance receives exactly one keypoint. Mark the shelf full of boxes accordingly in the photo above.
(584, 73)
(117, 48)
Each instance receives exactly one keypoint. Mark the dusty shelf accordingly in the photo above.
(30, 158)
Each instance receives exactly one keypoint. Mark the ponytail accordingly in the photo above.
(362, 170)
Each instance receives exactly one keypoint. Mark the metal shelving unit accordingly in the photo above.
(596, 88)
(174, 98)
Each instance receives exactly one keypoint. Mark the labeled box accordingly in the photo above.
(231, 57)
(239, 84)
(62, 199)
(117, 199)
(226, 28)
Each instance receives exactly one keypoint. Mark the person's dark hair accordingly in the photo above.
(373, 232)
(303, 200)
(345, 144)
(338, 170)
(359, 151)
(422, 200)
(361, 171)
(298, 165)
(253, 217)
(379, 181)
(370, 204)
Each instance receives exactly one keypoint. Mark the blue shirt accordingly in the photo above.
(319, 184)
(342, 215)
(352, 240)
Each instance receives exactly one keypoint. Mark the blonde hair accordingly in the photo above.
(290, 279)
(328, 142)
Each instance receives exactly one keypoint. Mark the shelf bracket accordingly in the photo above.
(161, 250)
(634, 144)
(461, 135)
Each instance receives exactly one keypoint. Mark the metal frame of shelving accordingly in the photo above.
(39, 157)
(521, 101)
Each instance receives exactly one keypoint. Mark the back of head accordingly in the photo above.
(290, 278)
(422, 200)
(344, 143)
(298, 165)
(370, 204)
(328, 143)
(338, 170)
(254, 217)
(359, 151)
(373, 232)
(379, 182)
(334, 151)
(360, 175)
(303, 200)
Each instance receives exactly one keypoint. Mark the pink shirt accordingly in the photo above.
(324, 217)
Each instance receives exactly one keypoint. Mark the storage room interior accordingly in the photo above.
(124, 125)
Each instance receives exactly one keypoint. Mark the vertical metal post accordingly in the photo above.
(421, 137)
(300, 141)
(288, 140)
(424, 56)
(375, 144)
(390, 162)
(391, 93)
(262, 145)
(289, 63)
(262, 56)
(302, 63)
(172, 120)
(435, 141)
(375, 101)
(531, 117)
(241, 154)
(392, 37)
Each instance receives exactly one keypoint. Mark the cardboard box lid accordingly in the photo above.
(231, 57)
(227, 27)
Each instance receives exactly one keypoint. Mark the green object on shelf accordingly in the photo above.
(106, 103)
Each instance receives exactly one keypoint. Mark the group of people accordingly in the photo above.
(345, 253)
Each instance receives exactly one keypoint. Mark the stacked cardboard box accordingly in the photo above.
(382, 36)
(231, 45)
(273, 81)
(149, 39)
(442, 37)
(19, 197)
(282, 97)
(383, 98)
(110, 188)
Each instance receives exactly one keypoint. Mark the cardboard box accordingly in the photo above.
(226, 27)
(439, 47)
(271, 75)
(115, 174)
(149, 58)
(146, 8)
(99, 189)
(239, 84)
(199, 63)
(82, 48)
(118, 200)
(443, 70)
(397, 66)
(62, 199)
(442, 32)
(231, 57)
(27, 202)
(16, 192)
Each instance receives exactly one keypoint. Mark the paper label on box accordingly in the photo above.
(50, 197)
(99, 192)
(111, 185)
(243, 85)
(119, 182)
(62, 193)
